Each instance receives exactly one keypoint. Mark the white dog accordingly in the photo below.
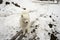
(25, 22)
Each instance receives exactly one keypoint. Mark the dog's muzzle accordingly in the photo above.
(26, 21)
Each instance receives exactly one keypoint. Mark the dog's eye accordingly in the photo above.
(21, 15)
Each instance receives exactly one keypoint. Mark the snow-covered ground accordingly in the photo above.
(45, 19)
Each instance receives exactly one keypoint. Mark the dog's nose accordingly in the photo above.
(26, 22)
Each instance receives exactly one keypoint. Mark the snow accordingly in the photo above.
(10, 18)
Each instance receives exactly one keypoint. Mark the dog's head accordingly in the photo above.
(25, 17)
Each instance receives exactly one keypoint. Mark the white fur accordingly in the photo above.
(25, 22)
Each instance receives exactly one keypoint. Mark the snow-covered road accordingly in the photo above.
(46, 18)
